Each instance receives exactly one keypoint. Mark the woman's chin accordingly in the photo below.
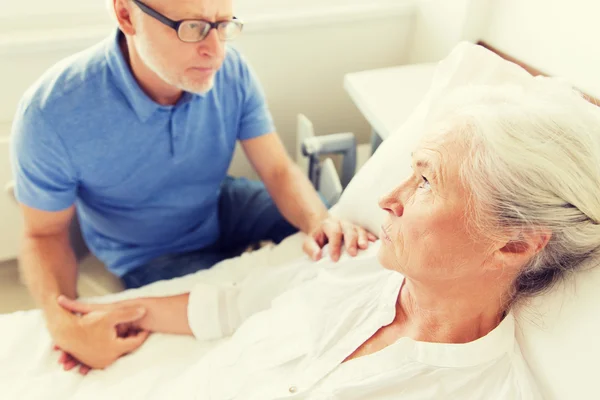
(388, 258)
(383, 256)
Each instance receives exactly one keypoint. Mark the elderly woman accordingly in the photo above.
(503, 201)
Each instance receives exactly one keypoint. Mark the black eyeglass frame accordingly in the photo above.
(176, 24)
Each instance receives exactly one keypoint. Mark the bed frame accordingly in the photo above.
(532, 70)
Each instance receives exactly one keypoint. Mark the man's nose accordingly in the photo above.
(211, 45)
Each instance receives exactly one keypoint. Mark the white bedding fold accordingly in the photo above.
(29, 367)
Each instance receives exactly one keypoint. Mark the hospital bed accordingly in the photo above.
(558, 332)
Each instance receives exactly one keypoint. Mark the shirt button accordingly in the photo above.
(293, 389)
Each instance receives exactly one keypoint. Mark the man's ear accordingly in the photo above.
(123, 15)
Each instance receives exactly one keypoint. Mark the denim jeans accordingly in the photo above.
(247, 215)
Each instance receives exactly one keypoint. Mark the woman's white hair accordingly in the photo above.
(533, 163)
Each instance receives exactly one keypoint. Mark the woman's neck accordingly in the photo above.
(449, 313)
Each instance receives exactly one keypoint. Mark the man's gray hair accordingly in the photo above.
(534, 162)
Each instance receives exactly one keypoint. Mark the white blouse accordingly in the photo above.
(295, 324)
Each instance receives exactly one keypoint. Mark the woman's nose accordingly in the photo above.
(391, 203)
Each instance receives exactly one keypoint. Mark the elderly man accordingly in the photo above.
(136, 135)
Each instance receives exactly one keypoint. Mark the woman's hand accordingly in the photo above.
(114, 329)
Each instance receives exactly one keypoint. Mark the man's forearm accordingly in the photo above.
(49, 269)
(297, 199)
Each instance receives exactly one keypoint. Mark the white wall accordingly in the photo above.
(300, 58)
(308, 79)
(441, 24)
(556, 36)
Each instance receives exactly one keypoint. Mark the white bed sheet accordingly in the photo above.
(29, 367)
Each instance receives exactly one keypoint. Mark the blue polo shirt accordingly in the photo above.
(145, 178)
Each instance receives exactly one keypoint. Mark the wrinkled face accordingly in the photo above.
(190, 67)
(426, 235)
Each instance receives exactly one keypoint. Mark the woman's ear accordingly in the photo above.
(523, 246)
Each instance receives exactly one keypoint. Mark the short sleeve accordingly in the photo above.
(256, 119)
(44, 175)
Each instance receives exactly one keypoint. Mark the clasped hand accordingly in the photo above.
(96, 335)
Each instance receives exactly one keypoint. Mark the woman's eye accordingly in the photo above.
(425, 184)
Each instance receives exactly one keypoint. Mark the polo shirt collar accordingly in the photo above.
(142, 105)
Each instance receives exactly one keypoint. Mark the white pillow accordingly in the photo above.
(559, 336)
(391, 163)
(558, 332)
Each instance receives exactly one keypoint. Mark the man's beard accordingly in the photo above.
(182, 83)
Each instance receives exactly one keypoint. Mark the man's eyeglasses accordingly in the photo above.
(196, 30)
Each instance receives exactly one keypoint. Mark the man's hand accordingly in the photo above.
(337, 232)
(102, 334)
